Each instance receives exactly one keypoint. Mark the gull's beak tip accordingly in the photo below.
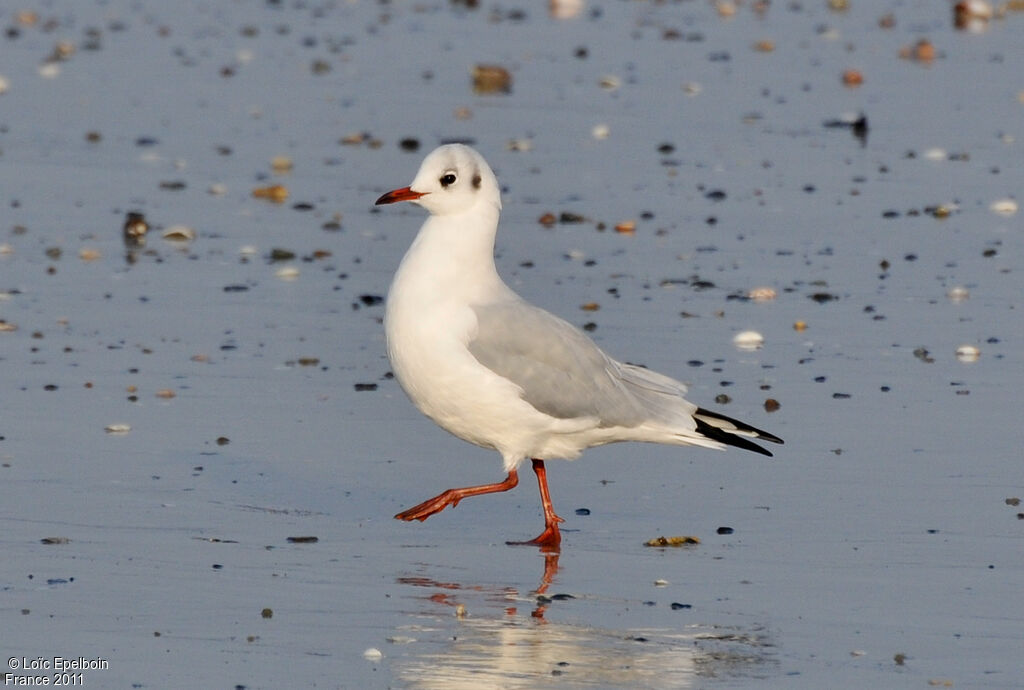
(402, 194)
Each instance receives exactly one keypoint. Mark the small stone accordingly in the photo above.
(672, 541)
(968, 353)
(277, 193)
(958, 294)
(1004, 207)
(178, 233)
(491, 79)
(853, 78)
(281, 164)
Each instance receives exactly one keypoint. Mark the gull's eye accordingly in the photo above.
(447, 179)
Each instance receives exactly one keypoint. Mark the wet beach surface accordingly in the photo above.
(201, 447)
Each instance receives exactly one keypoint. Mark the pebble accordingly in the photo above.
(134, 229)
(565, 9)
(277, 193)
(49, 70)
(762, 294)
(281, 164)
(672, 541)
(178, 233)
(853, 78)
(922, 51)
(968, 353)
(287, 273)
(117, 428)
(491, 79)
(599, 132)
(1004, 207)
(373, 654)
(958, 294)
(972, 15)
(5, 85)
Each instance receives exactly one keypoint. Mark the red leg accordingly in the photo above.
(550, 538)
(451, 497)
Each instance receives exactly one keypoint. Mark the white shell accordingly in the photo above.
(748, 340)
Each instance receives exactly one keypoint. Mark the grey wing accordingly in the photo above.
(564, 374)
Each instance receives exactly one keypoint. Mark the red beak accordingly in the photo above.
(403, 194)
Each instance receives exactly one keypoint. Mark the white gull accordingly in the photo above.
(499, 372)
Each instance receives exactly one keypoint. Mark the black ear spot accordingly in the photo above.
(477, 180)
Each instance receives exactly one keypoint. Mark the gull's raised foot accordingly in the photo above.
(421, 512)
(451, 497)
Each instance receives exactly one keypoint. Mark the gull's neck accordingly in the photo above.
(452, 257)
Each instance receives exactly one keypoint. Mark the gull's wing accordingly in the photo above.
(564, 374)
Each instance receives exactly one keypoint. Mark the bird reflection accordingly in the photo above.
(445, 596)
(489, 643)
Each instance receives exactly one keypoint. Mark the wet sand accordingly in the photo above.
(202, 447)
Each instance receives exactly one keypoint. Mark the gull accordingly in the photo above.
(501, 373)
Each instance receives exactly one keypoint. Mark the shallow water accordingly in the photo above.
(877, 549)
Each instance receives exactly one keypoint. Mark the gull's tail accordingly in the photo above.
(731, 432)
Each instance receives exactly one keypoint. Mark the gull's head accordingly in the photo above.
(452, 179)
